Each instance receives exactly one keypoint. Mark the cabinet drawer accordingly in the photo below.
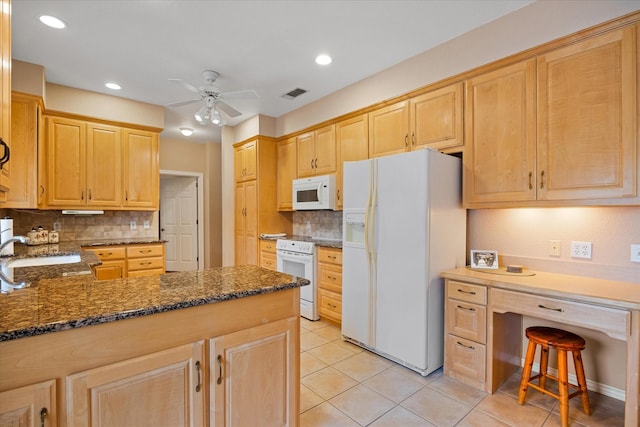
(145, 264)
(109, 253)
(467, 320)
(268, 260)
(145, 251)
(141, 273)
(467, 292)
(330, 278)
(465, 359)
(268, 246)
(611, 321)
(330, 255)
(330, 305)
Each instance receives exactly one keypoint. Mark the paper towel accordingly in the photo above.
(6, 233)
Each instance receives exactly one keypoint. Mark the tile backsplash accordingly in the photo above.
(110, 225)
(325, 224)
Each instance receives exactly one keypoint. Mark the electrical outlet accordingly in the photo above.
(581, 250)
(635, 253)
(133, 225)
(56, 226)
(145, 225)
(554, 247)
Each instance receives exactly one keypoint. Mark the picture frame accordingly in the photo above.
(484, 259)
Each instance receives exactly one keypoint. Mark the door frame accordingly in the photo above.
(200, 198)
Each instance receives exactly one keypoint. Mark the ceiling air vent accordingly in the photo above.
(294, 93)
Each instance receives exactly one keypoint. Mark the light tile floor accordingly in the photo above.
(344, 385)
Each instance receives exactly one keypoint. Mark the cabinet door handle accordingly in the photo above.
(413, 138)
(530, 181)
(559, 310)
(42, 190)
(81, 194)
(43, 415)
(406, 139)
(542, 179)
(311, 163)
(338, 194)
(466, 308)
(462, 291)
(219, 359)
(470, 347)
(316, 165)
(198, 371)
(7, 153)
(126, 195)
(89, 194)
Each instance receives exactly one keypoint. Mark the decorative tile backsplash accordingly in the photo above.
(110, 225)
(325, 224)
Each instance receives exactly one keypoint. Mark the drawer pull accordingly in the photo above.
(332, 305)
(466, 308)
(462, 291)
(559, 310)
(331, 277)
(470, 347)
(331, 256)
(145, 251)
(146, 263)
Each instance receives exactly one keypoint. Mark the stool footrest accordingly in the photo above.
(552, 394)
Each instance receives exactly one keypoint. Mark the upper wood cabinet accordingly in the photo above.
(389, 130)
(5, 93)
(83, 164)
(26, 114)
(287, 172)
(141, 170)
(352, 143)
(436, 118)
(245, 162)
(588, 119)
(317, 152)
(499, 157)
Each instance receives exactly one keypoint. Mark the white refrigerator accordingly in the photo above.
(403, 225)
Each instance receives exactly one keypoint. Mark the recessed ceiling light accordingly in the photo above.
(186, 131)
(114, 86)
(323, 60)
(52, 21)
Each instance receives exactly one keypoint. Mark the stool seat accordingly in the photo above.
(562, 341)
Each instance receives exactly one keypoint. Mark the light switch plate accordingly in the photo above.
(635, 253)
(132, 225)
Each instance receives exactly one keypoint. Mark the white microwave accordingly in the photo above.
(317, 193)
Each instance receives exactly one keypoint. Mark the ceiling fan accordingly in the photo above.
(214, 99)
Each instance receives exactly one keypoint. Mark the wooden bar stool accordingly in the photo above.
(562, 341)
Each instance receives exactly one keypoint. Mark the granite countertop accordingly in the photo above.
(326, 242)
(113, 242)
(61, 303)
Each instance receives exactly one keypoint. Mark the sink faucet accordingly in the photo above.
(8, 284)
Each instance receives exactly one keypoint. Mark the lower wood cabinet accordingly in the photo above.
(268, 257)
(121, 261)
(252, 376)
(29, 406)
(162, 388)
(330, 284)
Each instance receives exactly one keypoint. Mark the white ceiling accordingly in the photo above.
(267, 46)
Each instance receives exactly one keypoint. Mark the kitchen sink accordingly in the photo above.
(43, 260)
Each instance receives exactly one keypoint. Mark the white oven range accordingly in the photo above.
(298, 258)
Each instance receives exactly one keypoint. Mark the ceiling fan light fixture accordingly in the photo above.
(216, 118)
(202, 115)
(186, 131)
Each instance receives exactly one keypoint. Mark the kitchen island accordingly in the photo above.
(213, 347)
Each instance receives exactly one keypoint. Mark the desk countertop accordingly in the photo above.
(585, 289)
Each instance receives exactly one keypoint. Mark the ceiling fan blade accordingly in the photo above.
(240, 94)
(227, 109)
(180, 104)
(186, 85)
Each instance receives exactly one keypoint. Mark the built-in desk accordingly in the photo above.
(487, 360)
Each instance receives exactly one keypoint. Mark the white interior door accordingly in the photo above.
(179, 222)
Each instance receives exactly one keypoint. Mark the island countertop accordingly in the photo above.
(61, 303)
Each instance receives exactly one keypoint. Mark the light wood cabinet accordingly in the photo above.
(588, 119)
(255, 205)
(141, 169)
(436, 119)
(317, 152)
(26, 115)
(465, 332)
(268, 254)
(245, 162)
(499, 158)
(162, 388)
(5, 94)
(287, 172)
(29, 406)
(121, 261)
(389, 130)
(253, 380)
(352, 143)
(104, 173)
(330, 283)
